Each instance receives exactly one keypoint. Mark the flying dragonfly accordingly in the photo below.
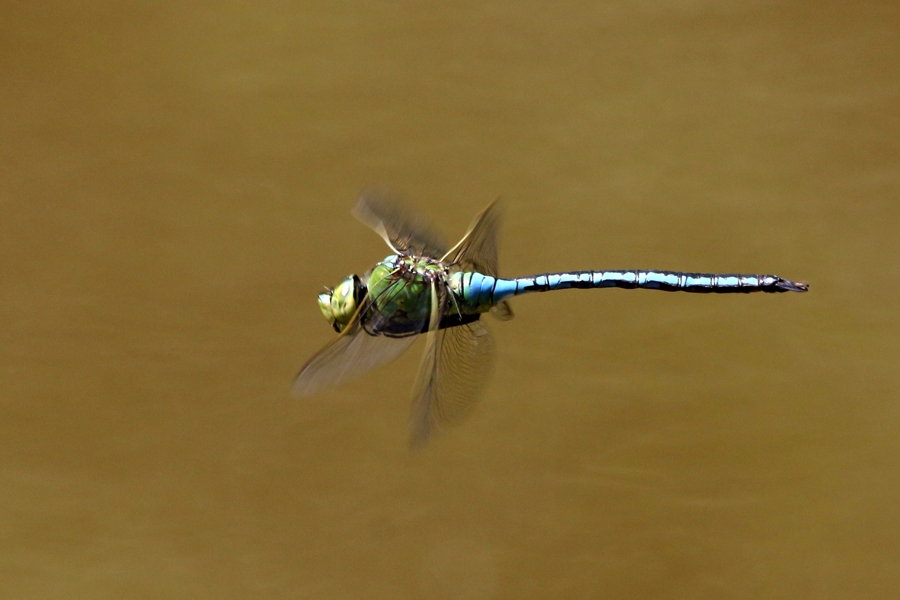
(424, 287)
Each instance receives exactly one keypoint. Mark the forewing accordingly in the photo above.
(455, 366)
(348, 356)
(403, 228)
(424, 388)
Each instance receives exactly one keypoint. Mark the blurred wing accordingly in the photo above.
(502, 310)
(455, 366)
(478, 250)
(348, 356)
(404, 229)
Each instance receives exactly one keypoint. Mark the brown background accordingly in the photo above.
(174, 191)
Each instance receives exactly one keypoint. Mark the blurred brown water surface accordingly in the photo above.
(174, 191)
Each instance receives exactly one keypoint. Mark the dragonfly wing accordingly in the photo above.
(478, 250)
(424, 391)
(404, 229)
(355, 351)
(502, 310)
(455, 366)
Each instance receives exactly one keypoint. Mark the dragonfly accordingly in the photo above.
(427, 288)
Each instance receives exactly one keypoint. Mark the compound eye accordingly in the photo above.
(345, 300)
(325, 307)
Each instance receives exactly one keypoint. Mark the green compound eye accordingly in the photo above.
(325, 306)
(340, 304)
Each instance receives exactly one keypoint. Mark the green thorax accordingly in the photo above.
(399, 287)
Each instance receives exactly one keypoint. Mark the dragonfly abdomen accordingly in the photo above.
(484, 291)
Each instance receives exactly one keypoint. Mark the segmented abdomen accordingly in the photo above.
(482, 291)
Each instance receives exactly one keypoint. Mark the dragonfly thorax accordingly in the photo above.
(401, 286)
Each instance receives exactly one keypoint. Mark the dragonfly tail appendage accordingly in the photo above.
(786, 285)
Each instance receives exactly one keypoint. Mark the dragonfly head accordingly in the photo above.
(340, 304)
